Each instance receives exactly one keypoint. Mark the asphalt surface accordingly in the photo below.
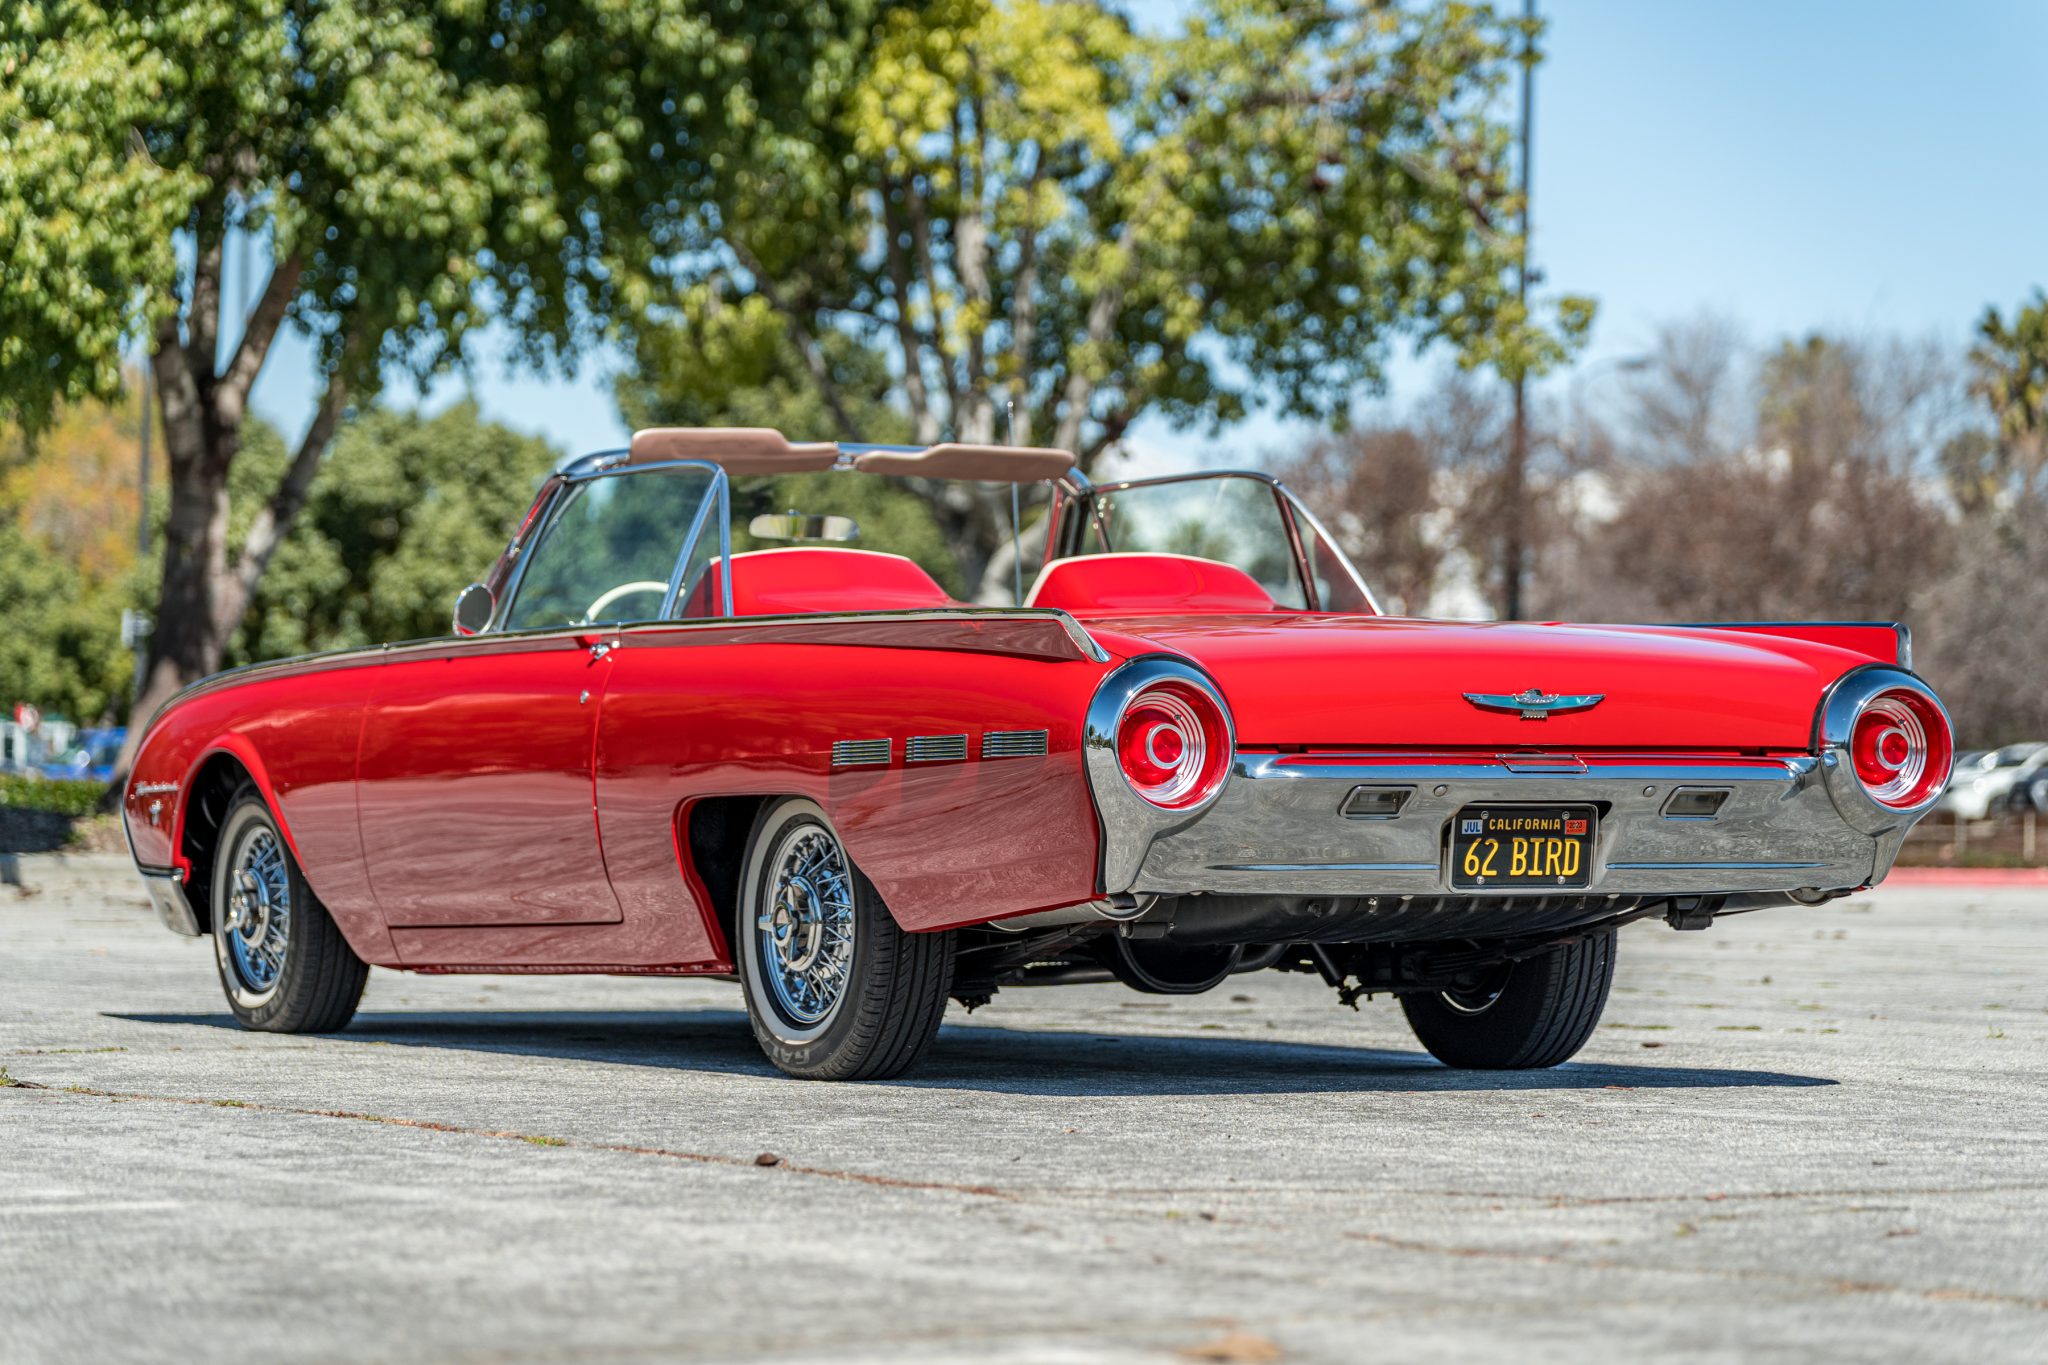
(1802, 1135)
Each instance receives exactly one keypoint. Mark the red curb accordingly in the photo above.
(1967, 876)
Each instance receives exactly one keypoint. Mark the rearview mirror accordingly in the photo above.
(475, 605)
(797, 526)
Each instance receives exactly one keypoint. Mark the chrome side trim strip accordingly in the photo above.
(935, 749)
(1014, 744)
(1324, 867)
(1677, 867)
(855, 753)
(1082, 641)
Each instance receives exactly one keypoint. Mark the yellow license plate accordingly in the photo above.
(1522, 847)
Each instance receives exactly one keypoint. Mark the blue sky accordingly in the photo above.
(1789, 166)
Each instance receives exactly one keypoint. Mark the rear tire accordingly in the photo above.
(836, 989)
(1533, 1014)
(284, 964)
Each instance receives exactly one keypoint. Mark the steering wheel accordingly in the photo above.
(623, 590)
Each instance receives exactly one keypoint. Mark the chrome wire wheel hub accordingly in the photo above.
(257, 923)
(805, 930)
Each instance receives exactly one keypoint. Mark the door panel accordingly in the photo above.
(474, 792)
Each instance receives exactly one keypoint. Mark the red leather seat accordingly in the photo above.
(1147, 583)
(808, 579)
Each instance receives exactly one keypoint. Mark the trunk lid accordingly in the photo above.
(1348, 681)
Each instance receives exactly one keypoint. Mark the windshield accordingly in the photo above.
(1230, 518)
(609, 550)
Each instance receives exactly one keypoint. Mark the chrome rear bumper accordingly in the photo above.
(1279, 827)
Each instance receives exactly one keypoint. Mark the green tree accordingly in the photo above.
(60, 631)
(407, 511)
(411, 170)
(736, 365)
(69, 507)
(1032, 202)
(1990, 649)
(2011, 376)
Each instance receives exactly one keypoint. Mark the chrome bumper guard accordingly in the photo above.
(1279, 826)
(166, 887)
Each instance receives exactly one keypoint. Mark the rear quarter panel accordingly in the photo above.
(946, 843)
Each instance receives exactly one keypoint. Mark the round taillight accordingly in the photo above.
(1900, 747)
(1173, 745)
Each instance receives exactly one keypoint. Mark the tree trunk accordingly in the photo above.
(185, 643)
(203, 596)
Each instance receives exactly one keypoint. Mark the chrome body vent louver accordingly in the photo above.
(935, 749)
(1013, 744)
(858, 753)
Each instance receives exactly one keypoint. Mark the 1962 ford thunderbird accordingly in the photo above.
(1195, 749)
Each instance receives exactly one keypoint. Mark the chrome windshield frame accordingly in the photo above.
(1292, 511)
(611, 464)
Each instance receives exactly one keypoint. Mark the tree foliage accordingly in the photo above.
(2010, 364)
(1033, 203)
(69, 512)
(410, 170)
(407, 511)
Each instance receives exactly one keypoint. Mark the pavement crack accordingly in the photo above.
(1826, 1284)
(749, 1163)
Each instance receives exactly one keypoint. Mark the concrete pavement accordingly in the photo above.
(1800, 1135)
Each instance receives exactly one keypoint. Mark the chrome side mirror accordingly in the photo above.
(475, 605)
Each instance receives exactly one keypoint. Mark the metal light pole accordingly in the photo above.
(1517, 474)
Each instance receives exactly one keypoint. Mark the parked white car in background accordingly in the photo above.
(1997, 779)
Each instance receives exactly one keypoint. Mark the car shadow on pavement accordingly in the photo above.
(1002, 1060)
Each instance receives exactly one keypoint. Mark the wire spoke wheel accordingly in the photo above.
(258, 910)
(836, 989)
(284, 963)
(806, 927)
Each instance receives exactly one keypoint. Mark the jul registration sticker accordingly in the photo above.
(1475, 826)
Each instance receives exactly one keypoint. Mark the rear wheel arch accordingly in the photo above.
(712, 837)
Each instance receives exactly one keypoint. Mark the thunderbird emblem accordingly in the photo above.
(1535, 704)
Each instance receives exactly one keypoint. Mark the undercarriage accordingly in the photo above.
(1359, 945)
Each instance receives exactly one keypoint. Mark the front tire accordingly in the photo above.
(1524, 1015)
(284, 964)
(836, 990)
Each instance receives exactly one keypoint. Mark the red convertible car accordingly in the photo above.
(1194, 749)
